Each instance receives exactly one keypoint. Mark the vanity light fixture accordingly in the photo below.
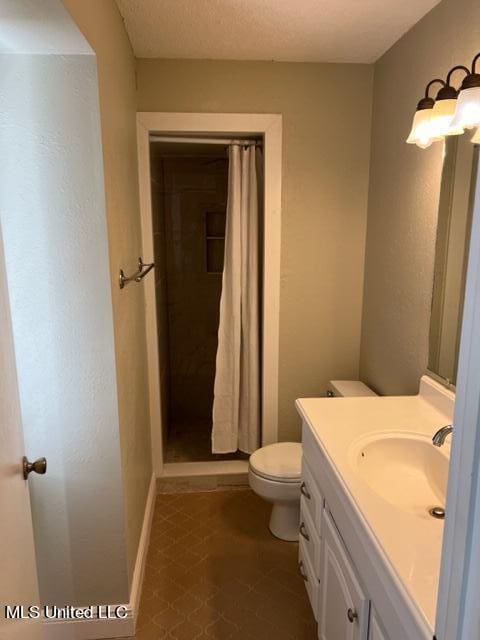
(467, 114)
(422, 133)
(451, 112)
(445, 107)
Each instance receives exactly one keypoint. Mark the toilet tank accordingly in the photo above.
(348, 388)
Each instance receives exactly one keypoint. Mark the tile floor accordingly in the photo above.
(191, 441)
(214, 572)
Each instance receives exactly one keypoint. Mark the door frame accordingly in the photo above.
(458, 614)
(269, 126)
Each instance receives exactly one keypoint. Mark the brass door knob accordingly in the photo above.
(39, 466)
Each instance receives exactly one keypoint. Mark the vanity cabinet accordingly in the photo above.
(339, 602)
(369, 547)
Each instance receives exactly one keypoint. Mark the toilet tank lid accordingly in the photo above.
(350, 388)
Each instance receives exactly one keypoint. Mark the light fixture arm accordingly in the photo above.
(427, 101)
(432, 82)
(472, 79)
(453, 69)
(474, 62)
(447, 92)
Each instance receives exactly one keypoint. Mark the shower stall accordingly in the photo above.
(196, 240)
(205, 336)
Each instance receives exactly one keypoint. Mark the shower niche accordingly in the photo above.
(215, 224)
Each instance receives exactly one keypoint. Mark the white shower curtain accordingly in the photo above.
(236, 406)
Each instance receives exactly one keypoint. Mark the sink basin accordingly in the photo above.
(404, 469)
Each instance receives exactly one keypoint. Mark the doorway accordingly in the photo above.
(268, 129)
(189, 201)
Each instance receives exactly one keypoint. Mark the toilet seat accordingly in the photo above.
(280, 462)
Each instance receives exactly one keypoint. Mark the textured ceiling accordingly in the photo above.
(286, 30)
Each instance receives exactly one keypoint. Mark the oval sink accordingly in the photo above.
(404, 469)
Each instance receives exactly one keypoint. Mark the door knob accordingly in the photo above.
(352, 615)
(39, 466)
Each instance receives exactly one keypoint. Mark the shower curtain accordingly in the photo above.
(236, 405)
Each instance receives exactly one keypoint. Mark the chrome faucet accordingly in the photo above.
(439, 438)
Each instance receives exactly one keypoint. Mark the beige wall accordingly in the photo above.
(103, 27)
(326, 128)
(403, 198)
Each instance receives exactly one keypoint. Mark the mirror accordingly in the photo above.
(451, 255)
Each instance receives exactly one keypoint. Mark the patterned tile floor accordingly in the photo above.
(214, 572)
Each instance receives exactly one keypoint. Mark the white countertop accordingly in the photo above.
(412, 542)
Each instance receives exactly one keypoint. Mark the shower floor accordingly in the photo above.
(190, 441)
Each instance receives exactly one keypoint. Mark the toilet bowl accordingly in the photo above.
(274, 473)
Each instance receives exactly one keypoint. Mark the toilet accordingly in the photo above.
(275, 471)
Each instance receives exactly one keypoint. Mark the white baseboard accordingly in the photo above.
(97, 628)
(139, 570)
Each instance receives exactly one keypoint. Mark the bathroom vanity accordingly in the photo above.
(370, 548)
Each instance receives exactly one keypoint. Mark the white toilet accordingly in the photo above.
(274, 471)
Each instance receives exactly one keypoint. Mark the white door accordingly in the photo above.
(18, 572)
(344, 607)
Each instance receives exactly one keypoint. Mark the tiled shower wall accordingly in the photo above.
(186, 189)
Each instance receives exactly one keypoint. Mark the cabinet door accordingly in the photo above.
(344, 608)
(376, 631)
